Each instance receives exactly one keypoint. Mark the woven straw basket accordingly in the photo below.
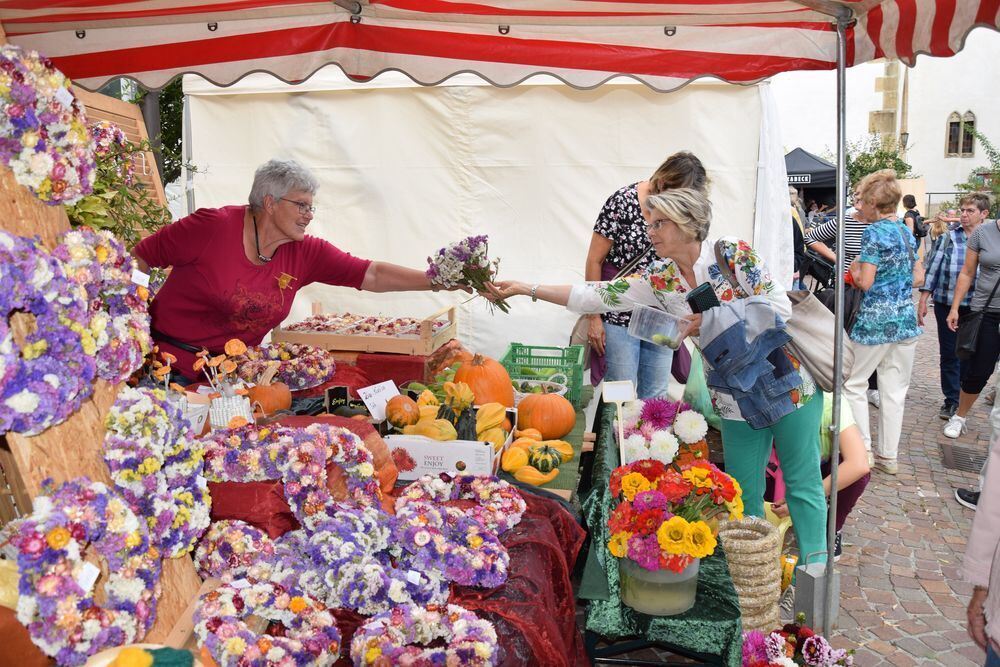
(752, 550)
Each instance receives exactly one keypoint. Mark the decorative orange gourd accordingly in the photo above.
(551, 414)
(402, 411)
(488, 380)
(270, 396)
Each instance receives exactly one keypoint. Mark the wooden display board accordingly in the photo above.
(73, 448)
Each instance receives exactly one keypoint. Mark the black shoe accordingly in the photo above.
(947, 410)
(837, 550)
(967, 498)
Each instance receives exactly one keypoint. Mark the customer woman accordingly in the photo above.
(885, 331)
(678, 232)
(618, 240)
(236, 269)
(982, 254)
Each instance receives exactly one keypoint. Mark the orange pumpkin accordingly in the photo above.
(551, 414)
(402, 411)
(270, 396)
(488, 379)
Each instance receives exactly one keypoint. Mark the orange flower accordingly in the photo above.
(297, 604)
(142, 292)
(161, 372)
(203, 353)
(228, 366)
(198, 364)
(237, 422)
(57, 537)
(215, 361)
(264, 644)
(235, 347)
(169, 358)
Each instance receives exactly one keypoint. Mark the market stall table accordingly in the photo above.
(710, 631)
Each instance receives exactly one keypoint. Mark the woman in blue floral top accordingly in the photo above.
(885, 332)
(678, 233)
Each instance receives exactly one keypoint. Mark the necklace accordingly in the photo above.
(256, 241)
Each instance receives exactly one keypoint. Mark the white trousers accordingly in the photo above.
(894, 362)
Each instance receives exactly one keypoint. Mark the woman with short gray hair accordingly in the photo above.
(790, 416)
(236, 269)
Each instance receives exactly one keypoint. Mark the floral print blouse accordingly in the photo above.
(886, 314)
(662, 286)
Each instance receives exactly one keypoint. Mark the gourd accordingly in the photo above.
(447, 412)
(564, 448)
(402, 411)
(524, 443)
(427, 398)
(489, 415)
(551, 414)
(270, 396)
(437, 429)
(514, 459)
(545, 458)
(428, 412)
(458, 395)
(530, 475)
(530, 433)
(494, 436)
(488, 380)
(466, 425)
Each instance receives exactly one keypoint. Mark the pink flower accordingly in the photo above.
(34, 544)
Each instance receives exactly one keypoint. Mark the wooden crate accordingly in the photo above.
(424, 343)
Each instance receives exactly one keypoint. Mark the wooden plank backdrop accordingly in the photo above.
(74, 447)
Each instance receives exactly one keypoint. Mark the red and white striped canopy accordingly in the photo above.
(584, 42)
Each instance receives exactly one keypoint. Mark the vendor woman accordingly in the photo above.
(236, 269)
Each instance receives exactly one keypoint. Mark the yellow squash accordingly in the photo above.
(489, 415)
(437, 429)
(495, 436)
(426, 398)
(531, 475)
(514, 459)
(565, 449)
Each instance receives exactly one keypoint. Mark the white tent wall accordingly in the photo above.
(405, 169)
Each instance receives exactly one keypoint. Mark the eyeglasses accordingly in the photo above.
(656, 225)
(304, 207)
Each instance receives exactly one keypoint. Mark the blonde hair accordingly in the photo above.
(683, 169)
(688, 208)
(938, 226)
(881, 189)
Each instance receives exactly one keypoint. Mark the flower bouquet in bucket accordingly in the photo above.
(664, 430)
(662, 527)
(465, 263)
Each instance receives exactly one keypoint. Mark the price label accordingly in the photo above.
(413, 577)
(240, 583)
(64, 97)
(88, 576)
(140, 278)
(376, 396)
(42, 505)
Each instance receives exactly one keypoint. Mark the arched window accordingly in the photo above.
(959, 139)
(968, 138)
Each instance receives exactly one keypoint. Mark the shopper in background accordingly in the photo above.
(619, 238)
(885, 331)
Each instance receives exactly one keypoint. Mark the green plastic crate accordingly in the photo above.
(566, 360)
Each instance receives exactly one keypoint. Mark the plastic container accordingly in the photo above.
(658, 327)
(538, 362)
(660, 592)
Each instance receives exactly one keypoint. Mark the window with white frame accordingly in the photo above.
(960, 140)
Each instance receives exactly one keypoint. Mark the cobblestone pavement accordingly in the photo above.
(903, 598)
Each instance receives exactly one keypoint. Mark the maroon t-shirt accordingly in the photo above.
(214, 293)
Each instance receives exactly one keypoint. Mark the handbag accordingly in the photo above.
(967, 336)
(578, 336)
(811, 327)
(852, 303)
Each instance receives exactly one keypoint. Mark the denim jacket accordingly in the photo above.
(743, 345)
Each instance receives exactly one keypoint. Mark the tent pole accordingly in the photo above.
(831, 606)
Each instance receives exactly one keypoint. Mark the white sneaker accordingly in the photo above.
(874, 398)
(955, 427)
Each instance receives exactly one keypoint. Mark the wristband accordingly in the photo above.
(534, 288)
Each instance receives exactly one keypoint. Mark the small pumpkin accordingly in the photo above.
(551, 414)
(524, 443)
(402, 411)
(514, 459)
(488, 379)
(531, 475)
(270, 396)
(530, 433)
(545, 458)
(565, 449)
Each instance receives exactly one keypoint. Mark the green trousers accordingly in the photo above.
(796, 437)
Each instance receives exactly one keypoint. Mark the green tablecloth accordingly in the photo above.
(712, 626)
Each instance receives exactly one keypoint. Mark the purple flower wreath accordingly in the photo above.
(311, 636)
(403, 635)
(56, 599)
(156, 464)
(499, 505)
(302, 366)
(44, 380)
(116, 328)
(230, 548)
(43, 128)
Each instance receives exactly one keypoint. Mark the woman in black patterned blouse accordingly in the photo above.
(619, 237)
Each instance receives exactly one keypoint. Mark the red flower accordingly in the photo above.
(651, 469)
(657, 281)
(673, 486)
(647, 523)
(403, 460)
(724, 487)
(621, 518)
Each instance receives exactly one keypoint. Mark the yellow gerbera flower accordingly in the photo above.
(618, 546)
(671, 534)
(58, 537)
(698, 540)
(698, 477)
(632, 484)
